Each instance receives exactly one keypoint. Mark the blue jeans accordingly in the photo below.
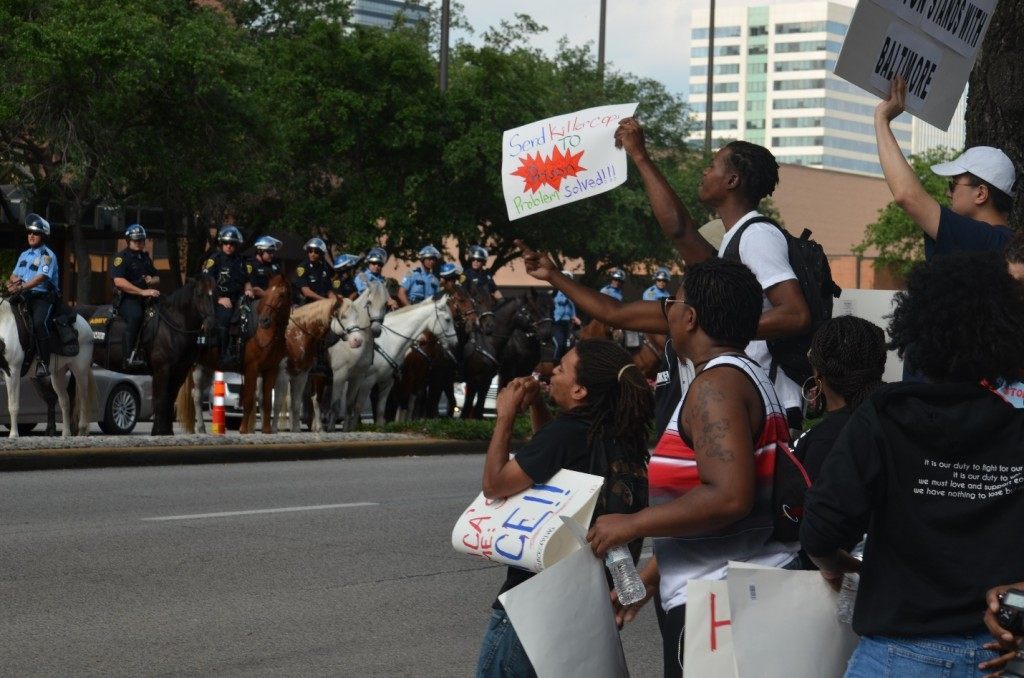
(502, 655)
(954, 656)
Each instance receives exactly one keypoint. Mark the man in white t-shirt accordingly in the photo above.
(740, 175)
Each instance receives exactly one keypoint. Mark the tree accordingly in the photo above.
(995, 103)
(896, 237)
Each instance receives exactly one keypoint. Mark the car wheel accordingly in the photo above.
(121, 412)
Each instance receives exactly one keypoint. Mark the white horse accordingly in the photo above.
(306, 328)
(349, 365)
(401, 328)
(75, 418)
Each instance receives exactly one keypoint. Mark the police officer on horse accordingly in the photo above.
(262, 266)
(659, 290)
(420, 283)
(614, 287)
(227, 269)
(313, 277)
(134, 279)
(35, 278)
(375, 260)
(476, 275)
(344, 268)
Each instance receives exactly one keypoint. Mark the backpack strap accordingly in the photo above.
(732, 250)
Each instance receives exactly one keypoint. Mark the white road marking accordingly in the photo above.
(288, 509)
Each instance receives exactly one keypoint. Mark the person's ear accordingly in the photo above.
(578, 392)
(983, 194)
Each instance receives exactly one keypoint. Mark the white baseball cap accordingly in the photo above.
(986, 163)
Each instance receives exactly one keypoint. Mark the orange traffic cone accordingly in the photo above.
(219, 390)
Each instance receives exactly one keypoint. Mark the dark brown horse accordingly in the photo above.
(264, 352)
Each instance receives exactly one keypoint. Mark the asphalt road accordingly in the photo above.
(126, 572)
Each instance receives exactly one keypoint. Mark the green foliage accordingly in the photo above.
(896, 237)
(452, 429)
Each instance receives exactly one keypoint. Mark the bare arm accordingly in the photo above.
(642, 316)
(504, 477)
(906, 188)
(403, 297)
(37, 280)
(673, 217)
(788, 316)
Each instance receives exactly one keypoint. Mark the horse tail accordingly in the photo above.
(185, 406)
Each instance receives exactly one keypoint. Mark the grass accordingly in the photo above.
(450, 429)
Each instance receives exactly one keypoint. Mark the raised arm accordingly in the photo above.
(673, 217)
(906, 187)
(642, 316)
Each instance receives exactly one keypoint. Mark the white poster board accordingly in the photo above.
(563, 159)
(932, 43)
(524, 530)
(708, 639)
(564, 617)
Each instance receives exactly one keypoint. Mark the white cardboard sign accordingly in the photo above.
(524, 530)
(563, 159)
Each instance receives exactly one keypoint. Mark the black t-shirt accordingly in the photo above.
(958, 233)
(813, 446)
(937, 472)
(562, 444)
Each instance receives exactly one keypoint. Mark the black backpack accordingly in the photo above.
(790, 482)
(815, 276)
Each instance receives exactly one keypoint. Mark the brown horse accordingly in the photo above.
(407, 397)
(264, 352)
(648, 357)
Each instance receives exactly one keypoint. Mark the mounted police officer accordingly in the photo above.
(563, 315)
(313, 277)
(135, 280)
(227, 268)
(450, 272)
(420, 283)
(344, 268)
(35, 277)
(375, 260)
(614, 287)
(477, 275)
(659, 290)
(262, 266)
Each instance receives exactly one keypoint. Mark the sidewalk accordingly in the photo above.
(41, 452)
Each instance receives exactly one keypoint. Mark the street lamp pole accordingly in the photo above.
(600, 42)
(710, 80)
(443, 60)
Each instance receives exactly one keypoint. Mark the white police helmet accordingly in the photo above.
(346, 261)
(265, 243)
(617, 274)
(376, 256)
(36, 224)
(316, 244)
(478, 253)
(135, 232)
(450, 270)
(662, 274)
(428, 252)
(230, 234)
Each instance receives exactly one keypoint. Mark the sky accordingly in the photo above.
(649, 38)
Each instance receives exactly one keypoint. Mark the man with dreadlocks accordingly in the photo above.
(602, 427)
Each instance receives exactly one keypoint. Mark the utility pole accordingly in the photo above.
(443, 60)
(711, 81)
(600, 42)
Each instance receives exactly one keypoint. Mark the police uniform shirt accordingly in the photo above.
(481, 277)
(228, 271)
(420, 284)
(564, 309)
(317, 277)
(260, 273)
(652, 293)
(344, 287)
(133, 267)
(365, 277)
(37, 261)
(612, 292)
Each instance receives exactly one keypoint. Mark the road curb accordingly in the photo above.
(143, 455)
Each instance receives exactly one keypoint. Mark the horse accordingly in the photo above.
(648, 356)
(479, 352)
(349, 333)
(525, 323)
(264, 352)
(304, 337)
(410, 389)
(401, 328)
(169, 336)
(75, 417)
(349, 365)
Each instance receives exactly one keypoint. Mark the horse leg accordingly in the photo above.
(269, 380)
(248, 400)
(201, 379)
(281, 383)
(383, 390)
(298, 387)
(13, 395)
(58, 379)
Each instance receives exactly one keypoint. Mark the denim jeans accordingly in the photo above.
(954, 656)
(502, 655)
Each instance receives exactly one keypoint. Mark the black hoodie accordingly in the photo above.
(937, 473)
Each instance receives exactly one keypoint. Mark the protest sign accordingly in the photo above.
(564, 617)
(523, 530)
(931, 43)
(708, 642)
(784, 624)
(562, 159)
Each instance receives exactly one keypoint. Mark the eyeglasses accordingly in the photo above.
(665, 303)
(953, 184)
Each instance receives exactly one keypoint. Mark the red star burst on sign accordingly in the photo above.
(537, 170)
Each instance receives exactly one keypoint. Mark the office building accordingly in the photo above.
(382, 13)
(926, 137)
(773, 84)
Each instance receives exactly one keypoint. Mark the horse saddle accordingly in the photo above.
(63, 338)
(100, 322)
(243, 320)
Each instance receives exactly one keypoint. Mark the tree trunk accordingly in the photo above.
(83, 266)
(995, 104)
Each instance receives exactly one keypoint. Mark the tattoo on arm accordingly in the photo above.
(712, 428)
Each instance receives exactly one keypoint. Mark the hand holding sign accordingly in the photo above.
(896, 103)
(630, 137)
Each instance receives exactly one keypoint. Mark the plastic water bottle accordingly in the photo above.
(847, 597)
(627, 580)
